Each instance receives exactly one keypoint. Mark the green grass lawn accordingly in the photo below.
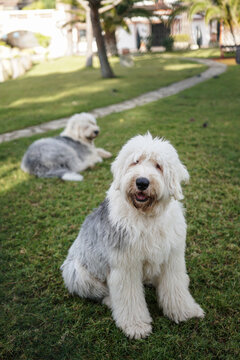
(40, 218)
(199, 53)
(62, 87)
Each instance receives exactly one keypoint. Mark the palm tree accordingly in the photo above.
(92, 10)
(97, 31)
(117, 17)
(227, 12)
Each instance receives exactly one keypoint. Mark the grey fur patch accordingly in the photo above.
(53, 157)
(81, 149)
(95, 242)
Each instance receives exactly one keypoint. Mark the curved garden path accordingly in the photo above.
(214, 69)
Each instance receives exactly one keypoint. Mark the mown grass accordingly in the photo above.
(199, 53)
(40, 219)
(62, 87)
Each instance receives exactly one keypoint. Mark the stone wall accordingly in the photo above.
(13, 63)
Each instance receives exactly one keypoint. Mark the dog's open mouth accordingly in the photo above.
(92, 137)
(141, 197)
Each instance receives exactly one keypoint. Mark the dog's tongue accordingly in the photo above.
(141, 196)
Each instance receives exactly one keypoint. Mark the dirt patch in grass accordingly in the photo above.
(227, 61)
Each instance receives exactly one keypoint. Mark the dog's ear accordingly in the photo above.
(116, 171)
(71, 129)
(174, 174)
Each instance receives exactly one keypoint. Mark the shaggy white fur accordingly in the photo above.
(83, 127)
(136, 236)
(71, 176)
(66, 155)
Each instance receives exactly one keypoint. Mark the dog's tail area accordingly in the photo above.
(63, 174)
(23, 165)
(69, 275)
(41, 171)
(79, 281)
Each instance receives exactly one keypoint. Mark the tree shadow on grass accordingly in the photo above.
(35, 99)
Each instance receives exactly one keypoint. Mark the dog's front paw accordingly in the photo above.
(107, 301)
(186, 313)
(99, 159)
(137, 330)
(107, 154)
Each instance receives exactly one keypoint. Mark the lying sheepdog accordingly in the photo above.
(136, 236)
(66, 155)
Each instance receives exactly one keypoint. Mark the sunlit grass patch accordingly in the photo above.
(178, 67)
(62, 87)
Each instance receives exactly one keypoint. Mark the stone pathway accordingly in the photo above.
(215, 69)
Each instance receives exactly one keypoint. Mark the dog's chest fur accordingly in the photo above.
(150, 240)
(152, 248)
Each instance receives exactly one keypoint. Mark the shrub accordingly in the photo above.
(181, 38)
(43, 40)
(149, 42)
(168, 43)
(3, 43)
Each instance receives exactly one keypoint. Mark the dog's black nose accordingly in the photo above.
(142, 183)
(96, 132)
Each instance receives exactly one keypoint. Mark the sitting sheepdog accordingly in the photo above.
(136, 236)
(66, 155)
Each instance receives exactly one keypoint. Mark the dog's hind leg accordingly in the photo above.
(79, 281)
(71, 176)
(64, 174)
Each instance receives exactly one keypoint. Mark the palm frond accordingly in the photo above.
(197, 7)
(176, 11)
(213, 12)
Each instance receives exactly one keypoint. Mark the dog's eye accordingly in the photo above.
(159, 167)
(134, 163)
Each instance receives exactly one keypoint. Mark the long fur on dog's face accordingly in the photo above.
(155, 160)
(82, 127)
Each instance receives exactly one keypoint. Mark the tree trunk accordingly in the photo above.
(102, 54)
(111, 43)
(89, 36)
(220, 39)
(232, 32)
(230, 22)
(68, 30)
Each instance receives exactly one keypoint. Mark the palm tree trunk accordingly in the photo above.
(232, 32)
(102, 54)
(89, 36)
(220, 39)
(111, 43)
(230, 22)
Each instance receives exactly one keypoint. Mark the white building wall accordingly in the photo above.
(128, 40)
(46, 22)
(199, 23)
